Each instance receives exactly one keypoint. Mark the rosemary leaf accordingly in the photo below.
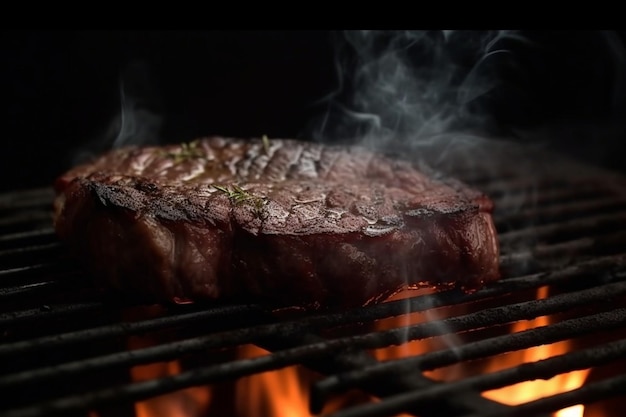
(187, 151)
(239, 196)
(266, 144)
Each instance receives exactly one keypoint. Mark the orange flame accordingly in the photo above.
(285, 392)
(279, 393)
(532, 390)
(190, 402)
(184, 403)
(511, 395)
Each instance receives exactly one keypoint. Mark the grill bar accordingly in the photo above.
(351, 359)
(16, 238)
(560, 229)
(544, 369)
(475, 350)
(148, 389)
(590, 393)
(26, 201)
(200, 376)
(9, 197)
(25, 217)
(587, 245)
(28, 289)
(561, 210)
(123, 329)
(391, 309)
(37, 268)
(574, 195)
(614, 262)
(48, 312)
(30, 250)
(499, 315)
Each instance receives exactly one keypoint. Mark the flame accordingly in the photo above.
(190, 402)
(285, 392)
(532, 390)
(279, 393)
(511, 395)
(184, 403)
(418, 347)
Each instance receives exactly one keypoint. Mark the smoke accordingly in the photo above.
(138, 118)
(402, 88)
(442, 97)
(448, 91)
(452, 100)
(423, 93)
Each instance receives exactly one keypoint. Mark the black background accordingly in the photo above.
(62, 91)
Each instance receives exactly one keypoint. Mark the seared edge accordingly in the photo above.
(305, 235)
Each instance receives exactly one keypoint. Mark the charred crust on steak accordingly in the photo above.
(282, 220)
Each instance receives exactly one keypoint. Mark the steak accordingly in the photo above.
(284, 221)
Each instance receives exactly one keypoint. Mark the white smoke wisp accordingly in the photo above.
(137, 120)
(426, 94)
(137, 124)
(408, 88)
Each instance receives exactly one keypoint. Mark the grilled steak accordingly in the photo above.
(281, 220)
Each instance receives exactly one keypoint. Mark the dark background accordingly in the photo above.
(62, 91)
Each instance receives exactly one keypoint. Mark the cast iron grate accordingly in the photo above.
(64, 344)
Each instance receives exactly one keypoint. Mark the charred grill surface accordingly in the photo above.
(563, 227)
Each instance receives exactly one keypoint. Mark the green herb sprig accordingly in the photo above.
(239, 196)
(266, 144)
(187, 151)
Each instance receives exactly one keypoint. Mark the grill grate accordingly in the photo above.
(64, 345)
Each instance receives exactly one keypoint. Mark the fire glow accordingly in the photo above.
(511, 395)
(532, 390)
(281, 393)
(285, 392)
